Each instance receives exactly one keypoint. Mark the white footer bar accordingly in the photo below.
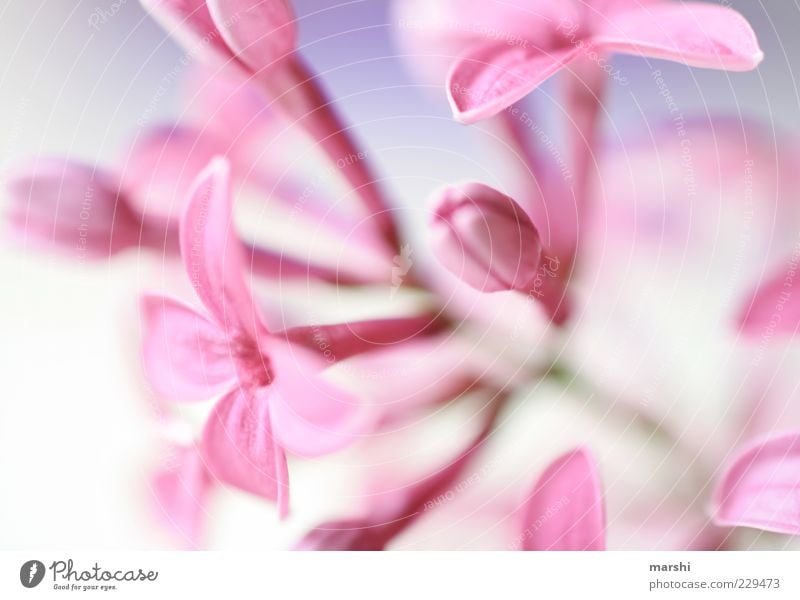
(400, 575)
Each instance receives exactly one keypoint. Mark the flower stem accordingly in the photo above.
(303, 102)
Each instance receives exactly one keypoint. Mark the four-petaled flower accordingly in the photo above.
(273, 399)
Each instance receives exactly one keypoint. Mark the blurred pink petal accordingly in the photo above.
(492, 77)
(190, 22)
(227, 106)
(311, 417)
(695, 34)
(774, 307)
(260, 32)
(485, 238)
(70, 207)
(158, 174)
(302, 101)
(565, 510)
(181, 496)
(400, 381)
(434, 33)
(212, 253)
(240, 449)
(160, 167)
(338, 341)
(761, 487)
(348, 535)
(186, 356)
(392, 511)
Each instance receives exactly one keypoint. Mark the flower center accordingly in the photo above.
(254, 369)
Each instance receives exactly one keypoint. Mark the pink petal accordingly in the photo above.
(348, 535)
(485, 238)
(433, 34)
(260, 32)
(181, 494)
(774, 307)
(240, 449)
(761, 488)
(491, 77)
(161, 166)
(212, 253)
(75, 208)
(339, 341)
(696, 34)
(565, 511)
(311, 417)
(190, 23)
(186, 356)
(228, 106)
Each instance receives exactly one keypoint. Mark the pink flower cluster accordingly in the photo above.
(273, 391)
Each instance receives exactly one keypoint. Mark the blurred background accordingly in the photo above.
(77, 78)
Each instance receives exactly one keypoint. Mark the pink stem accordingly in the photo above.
(322, 213)
(343, 340)
(376, 532)
(162, 237)
(549, 203)
(304, 102)
(584, 87)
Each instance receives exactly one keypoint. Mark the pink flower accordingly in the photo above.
(256, 39)
(565, 510)
(760, 487)
(491, 76)
(181, 492)
(485, 238)
(774, 306)
(71, 207)
(272, 398)
(247, 35)
(92, 213)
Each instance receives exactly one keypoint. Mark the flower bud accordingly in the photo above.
(72, 206)
(485, 238)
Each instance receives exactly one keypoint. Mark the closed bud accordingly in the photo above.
(71, 206)
(485, 238)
